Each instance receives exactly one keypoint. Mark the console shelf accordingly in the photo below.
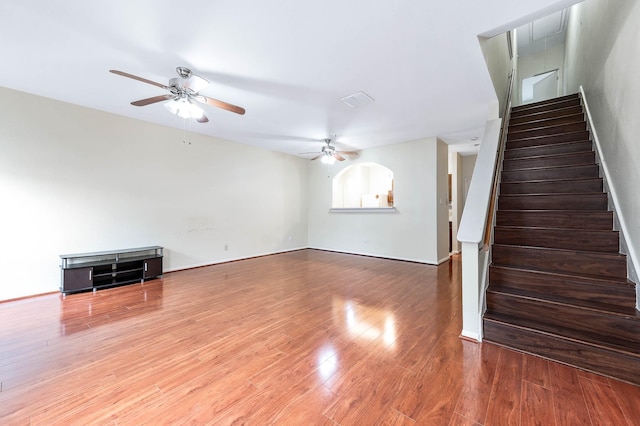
(100, 269)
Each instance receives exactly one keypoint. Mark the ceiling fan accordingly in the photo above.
(183, 89)
(329, 154)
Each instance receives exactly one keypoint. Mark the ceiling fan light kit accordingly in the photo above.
(184, 90)
(328, 154)
(185, 109)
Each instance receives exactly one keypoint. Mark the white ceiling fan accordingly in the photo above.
(183, 89)
(329, 154)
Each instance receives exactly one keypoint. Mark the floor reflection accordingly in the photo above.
(365, 323)
(81, 311)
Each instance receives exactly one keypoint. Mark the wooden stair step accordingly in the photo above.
(546, 114)
(565, 186)
(551, 173)
(564, 219)
(548, 149)
(587, 264)
(600, 293)
(536, 122)
(574, 201)
(586, 239)
(547, 139)
(622, 365)
(548, 130)
(555, 160)
(554, 104)
(612, 328)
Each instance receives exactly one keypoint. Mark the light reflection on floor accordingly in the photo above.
(365, 323)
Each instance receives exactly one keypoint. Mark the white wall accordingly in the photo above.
(411, 232)
(457, 202)
(538, 63)
(499, 64)
(468, 164)
(74, 180)
(603, 55)
(442, 203)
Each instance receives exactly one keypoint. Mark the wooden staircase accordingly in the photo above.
(558, 285)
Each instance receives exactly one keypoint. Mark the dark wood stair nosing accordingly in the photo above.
(547, 102)
(586, 279)
(559, 352)
(570, 110)
(565, 135)
(595, 305)
(551, 156)
(629, 314)
(544, 122)
(620, 346)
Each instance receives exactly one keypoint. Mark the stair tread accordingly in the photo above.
(534, 255)
(553, 156)
(565, 219)
(554, 194)
(577, 134)
(621, 365)
(544, 228)
(587, 279)
(559, 99)
(614, 345)
(529, 148)
(550, 167)
(577, 116)
(619, 311)
(610, 255)
(567, 110)
(559, 181)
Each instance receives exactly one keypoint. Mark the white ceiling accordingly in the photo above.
(543, 33)
(287, 62)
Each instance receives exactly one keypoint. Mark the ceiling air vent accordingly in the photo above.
(357, 99)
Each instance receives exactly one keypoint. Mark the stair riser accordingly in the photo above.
(560, 288)
(546, 131)
(551, 121)
(552, 173)
(556, 219)
(580, 355)
(596, 241)
(546, 114)
(548, 140)
(550, 149)
(561, 261)
(529, 109)
(581, 158)
(553, 202)
(553, 318)
(552, 187)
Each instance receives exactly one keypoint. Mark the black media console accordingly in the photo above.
(91, 271)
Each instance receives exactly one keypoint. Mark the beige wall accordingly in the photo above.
(74, 179)
(538, 63)
(411, 232)
(603, 55)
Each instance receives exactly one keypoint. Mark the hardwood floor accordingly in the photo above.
(306, 337)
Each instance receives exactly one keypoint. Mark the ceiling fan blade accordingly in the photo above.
(347, 152)
(149, 101)
(338, 156)
(316, 157)
(220, 104)
(202, 119)
(135, 77)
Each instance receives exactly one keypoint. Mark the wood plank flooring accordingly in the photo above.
(301, 338)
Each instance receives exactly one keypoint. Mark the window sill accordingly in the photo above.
(363, 210)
